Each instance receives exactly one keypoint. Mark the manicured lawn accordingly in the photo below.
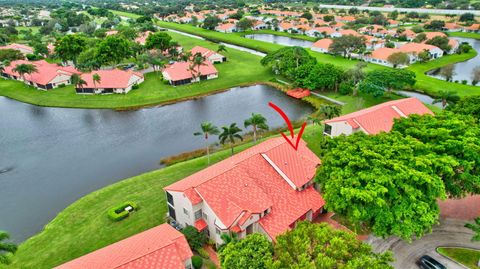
(84, 225)
(464, 34)
(242, 68)
(468, 257)
(432, 85)
(33, 28)
(125, 14)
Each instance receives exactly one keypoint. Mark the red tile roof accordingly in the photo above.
(325, 29)
(258, 179)
(380, 118)
(383, 53)
(416, 47)
(323, 43)
(16, 46)
(179, 70)
(161, 247)
(117, 79)
(204, 51)
(226, 26)
(46, 72)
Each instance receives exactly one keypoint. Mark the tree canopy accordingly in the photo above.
(320, 246)
(252, 252)
(388, 182)
(378, 82)
(69, 47)
(347, 44)
(467, 106)
(453, 135)
(285, 60)
(160, 41)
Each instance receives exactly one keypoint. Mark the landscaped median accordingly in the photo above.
(242, 68)
(465, 256)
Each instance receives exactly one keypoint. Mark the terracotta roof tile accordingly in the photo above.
(110, 78)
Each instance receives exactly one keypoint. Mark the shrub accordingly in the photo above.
(345, 88)
(197, 262)
(119, 213)
(203, 253)
(195, 239)
(61, 85)
(210, 265)
(464, 82)
(135, 86)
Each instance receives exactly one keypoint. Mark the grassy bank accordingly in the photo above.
(432, 85)
(464, 34)
(467, 257)
(272, 32)
(84, 226)
(242, 68)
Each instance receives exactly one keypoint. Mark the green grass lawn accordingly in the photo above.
(84, 226)
(33, 28)
(125, 14)
(467, 257)
(464, 34)
(432, 85)
(242, 68)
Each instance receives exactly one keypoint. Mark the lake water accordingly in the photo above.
(463, 70)
(53, 156)
(282, 40)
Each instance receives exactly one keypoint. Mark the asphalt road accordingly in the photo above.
(450, 233)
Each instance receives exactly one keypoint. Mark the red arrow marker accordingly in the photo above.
(290, 126)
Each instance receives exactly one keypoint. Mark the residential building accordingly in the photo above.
(48, 76)
(452, 27)
(24, 49)
(161, 247)
(111, 81)
(179, 73)
(226, 28)
(345, 32)
(375, 119)
(212, 56)
(265, 189)
(380, 56)
(322, 45)
(413, 49)
(285, 27)
(323, 31)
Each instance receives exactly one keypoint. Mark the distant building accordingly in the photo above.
(111, 81)
(24, 49)
(161, 247)
(322, 45)
(226, 28)
(48, 76)
(179, 73)
(212, 56)
(375, 119)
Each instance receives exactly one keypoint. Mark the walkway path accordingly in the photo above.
(328, 99)
(213, 255)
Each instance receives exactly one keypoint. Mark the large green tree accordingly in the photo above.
(113, 49)
(398, 58)
(319, 76)
(467, 106)
(23, 69)
(378, 82)
(286, 60)
(475, 227)
(347, 44)
(159, 40)
(69, 47)
(388, 182)
(319, 246)
(252, 252)
(453, 135)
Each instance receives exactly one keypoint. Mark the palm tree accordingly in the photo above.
(314, 119)
(475, 227)
(6, 248)
(77, 80)
(207, 129)
(221, 48)
(23, 69)
(196, 62)
(96, 79)
(230, 134)
(257, 121)
(329, 111)
(446, 97)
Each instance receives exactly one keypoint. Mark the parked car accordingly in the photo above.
(427, 262)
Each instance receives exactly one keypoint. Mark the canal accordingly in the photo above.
(50, 157)
(282, 40)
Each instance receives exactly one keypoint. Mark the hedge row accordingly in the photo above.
(118, 213)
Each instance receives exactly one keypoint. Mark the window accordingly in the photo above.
(185, 211)
(198, 214)
(328, 129)
(171, 212)
(169, 198)
(218, 231)
(205, 217)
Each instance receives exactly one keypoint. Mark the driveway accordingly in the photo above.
(450, 232)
